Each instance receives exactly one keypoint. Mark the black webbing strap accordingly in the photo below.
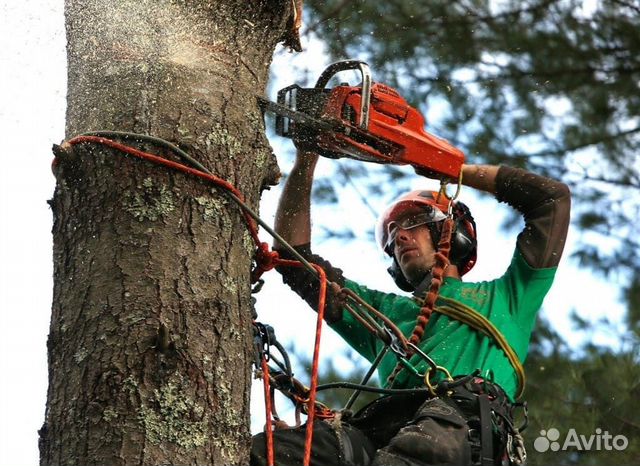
(486, 431)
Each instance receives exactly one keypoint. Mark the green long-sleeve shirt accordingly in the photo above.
(509, 302)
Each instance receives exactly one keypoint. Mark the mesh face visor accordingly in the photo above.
(412, 220)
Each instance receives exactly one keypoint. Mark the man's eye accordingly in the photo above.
(411, 222)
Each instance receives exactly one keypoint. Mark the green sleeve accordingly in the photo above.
(525, 288)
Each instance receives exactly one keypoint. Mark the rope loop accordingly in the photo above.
(266, 260)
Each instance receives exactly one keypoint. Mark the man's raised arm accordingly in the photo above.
(293, 224)
(293, 216)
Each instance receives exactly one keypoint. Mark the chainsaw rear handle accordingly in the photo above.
(365, 72)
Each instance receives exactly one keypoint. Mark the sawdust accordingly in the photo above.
(172, 35)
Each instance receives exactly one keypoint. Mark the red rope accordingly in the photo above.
(253, 229)
(314, 366)
(267, 407)
(437, 272)
(311, 402)
(265, 260)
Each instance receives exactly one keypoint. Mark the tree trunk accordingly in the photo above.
(150, 338)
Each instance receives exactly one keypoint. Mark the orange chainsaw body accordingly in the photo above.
(395, 132)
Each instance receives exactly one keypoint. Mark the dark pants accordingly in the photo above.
(392, 431)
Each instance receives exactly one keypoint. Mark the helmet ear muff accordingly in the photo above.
(463, 242)
(398, 276)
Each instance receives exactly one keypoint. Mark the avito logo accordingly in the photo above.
(549, 440)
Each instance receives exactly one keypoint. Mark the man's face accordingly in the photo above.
(414, 251)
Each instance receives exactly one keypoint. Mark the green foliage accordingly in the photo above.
(633, 298)
(595, 388)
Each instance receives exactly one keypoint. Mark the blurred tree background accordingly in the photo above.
(552, 86)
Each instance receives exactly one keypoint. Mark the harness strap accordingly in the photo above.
(486, 434)
(467, 315)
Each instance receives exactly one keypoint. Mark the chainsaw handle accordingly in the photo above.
(344, 65)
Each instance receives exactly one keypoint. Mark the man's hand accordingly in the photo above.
(482, 177)
(434, 175)
(306, 143)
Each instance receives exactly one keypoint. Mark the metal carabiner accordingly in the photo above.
(262, 340)
(394, 343)
(427, 380)
(443, 192)
(432, 364)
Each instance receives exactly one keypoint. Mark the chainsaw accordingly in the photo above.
(369, 122)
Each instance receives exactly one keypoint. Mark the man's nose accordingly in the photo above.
(402, 235)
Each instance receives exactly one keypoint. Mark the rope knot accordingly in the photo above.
(265, 260)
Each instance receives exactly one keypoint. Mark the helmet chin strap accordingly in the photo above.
(421, 290)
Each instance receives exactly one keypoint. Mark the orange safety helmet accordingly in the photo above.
(435, 205)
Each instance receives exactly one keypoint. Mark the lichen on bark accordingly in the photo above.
(149, 201)
(173, 415)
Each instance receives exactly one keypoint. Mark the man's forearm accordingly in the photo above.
(482, 177)
(544, 203)
(293, 216)
(293, 224)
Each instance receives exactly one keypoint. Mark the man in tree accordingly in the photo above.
(471, 422)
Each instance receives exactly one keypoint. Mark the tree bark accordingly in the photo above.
(150, 338)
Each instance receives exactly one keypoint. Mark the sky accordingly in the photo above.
(32, 111)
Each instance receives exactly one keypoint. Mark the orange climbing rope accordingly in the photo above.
(267, 408)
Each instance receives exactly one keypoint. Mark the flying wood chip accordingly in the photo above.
(292, 38)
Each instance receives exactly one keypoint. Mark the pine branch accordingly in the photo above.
(624, 420)
(464, 20)
(330, 15)
(628, 5)
(616, 182)
(516, 73)
(543, 5)
(584, 145)
(355, 188)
